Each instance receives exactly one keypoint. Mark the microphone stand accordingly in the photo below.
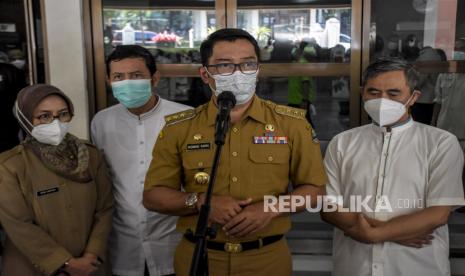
(199, 265)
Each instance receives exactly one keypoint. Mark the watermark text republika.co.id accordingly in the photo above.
(329, 203)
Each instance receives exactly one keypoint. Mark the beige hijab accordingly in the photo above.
(69, 159)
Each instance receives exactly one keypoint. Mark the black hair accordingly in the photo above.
(389, 64)
(229, 34)
(132, 51)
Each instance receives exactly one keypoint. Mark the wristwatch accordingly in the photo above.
(191, 200)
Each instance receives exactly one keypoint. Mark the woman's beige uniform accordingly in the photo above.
(49, 219)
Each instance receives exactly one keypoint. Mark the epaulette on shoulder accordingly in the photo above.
(290, 111)
(180, 116)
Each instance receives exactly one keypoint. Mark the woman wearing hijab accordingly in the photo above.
(55, 194)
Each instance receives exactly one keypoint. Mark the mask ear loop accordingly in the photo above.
(18, 113)
(411, 97)
(211, 76)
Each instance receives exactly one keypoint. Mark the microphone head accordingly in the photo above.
(226, 97)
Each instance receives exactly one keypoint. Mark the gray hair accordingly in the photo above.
(385, 65)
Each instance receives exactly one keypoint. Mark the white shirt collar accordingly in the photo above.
(396, 128)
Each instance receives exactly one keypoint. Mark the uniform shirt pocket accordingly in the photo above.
(197, 165)
(269, 169)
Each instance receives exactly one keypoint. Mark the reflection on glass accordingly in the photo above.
(280, 33)
(326, 100)
(450, 100)
(15, 69)
(173, 36)
(420, 34)
(419, 25)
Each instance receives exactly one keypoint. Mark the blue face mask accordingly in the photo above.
(132, 93)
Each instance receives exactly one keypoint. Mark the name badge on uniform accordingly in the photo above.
(270, 139)
(48, 191)
(200, 146)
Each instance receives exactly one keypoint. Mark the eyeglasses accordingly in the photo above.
(46, 118)
(226, 69)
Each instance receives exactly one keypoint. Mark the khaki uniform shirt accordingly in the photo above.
(49, 219)
(248, 167)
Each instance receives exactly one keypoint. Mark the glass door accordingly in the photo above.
(315, 44)
(21, 60)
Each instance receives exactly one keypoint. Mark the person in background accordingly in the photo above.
(422, 110)
(302, 89)
(17, 58)
(449, 101)
(410, 49)
(407, 173)
(142, 242)
(56, 200)
(11, 82)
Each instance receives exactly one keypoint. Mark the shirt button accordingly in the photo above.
(141, 142)
(270, 158)
(234, 179)
(234, 153)
(142, 162)
(235, 129)
(141, 182)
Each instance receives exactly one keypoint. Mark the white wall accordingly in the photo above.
(66, 57)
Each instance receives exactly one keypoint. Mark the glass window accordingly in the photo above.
(169, 32)
(299, 34)
(326, 100)
(17, 67)
(421, 24)
(426, 31)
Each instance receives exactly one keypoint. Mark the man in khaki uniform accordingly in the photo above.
(267, 146)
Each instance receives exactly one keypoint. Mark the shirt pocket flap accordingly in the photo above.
(197, 160)
(270, 155)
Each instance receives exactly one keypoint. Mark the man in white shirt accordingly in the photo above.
(142, 242)
(409, 175)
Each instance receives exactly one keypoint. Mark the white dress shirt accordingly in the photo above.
(138, 235)
(414, 166)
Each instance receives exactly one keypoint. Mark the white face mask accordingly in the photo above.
(52, 133)
(385, 111)
(240, 84)
(19, 63)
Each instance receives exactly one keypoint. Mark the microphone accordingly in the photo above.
(226, 101)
